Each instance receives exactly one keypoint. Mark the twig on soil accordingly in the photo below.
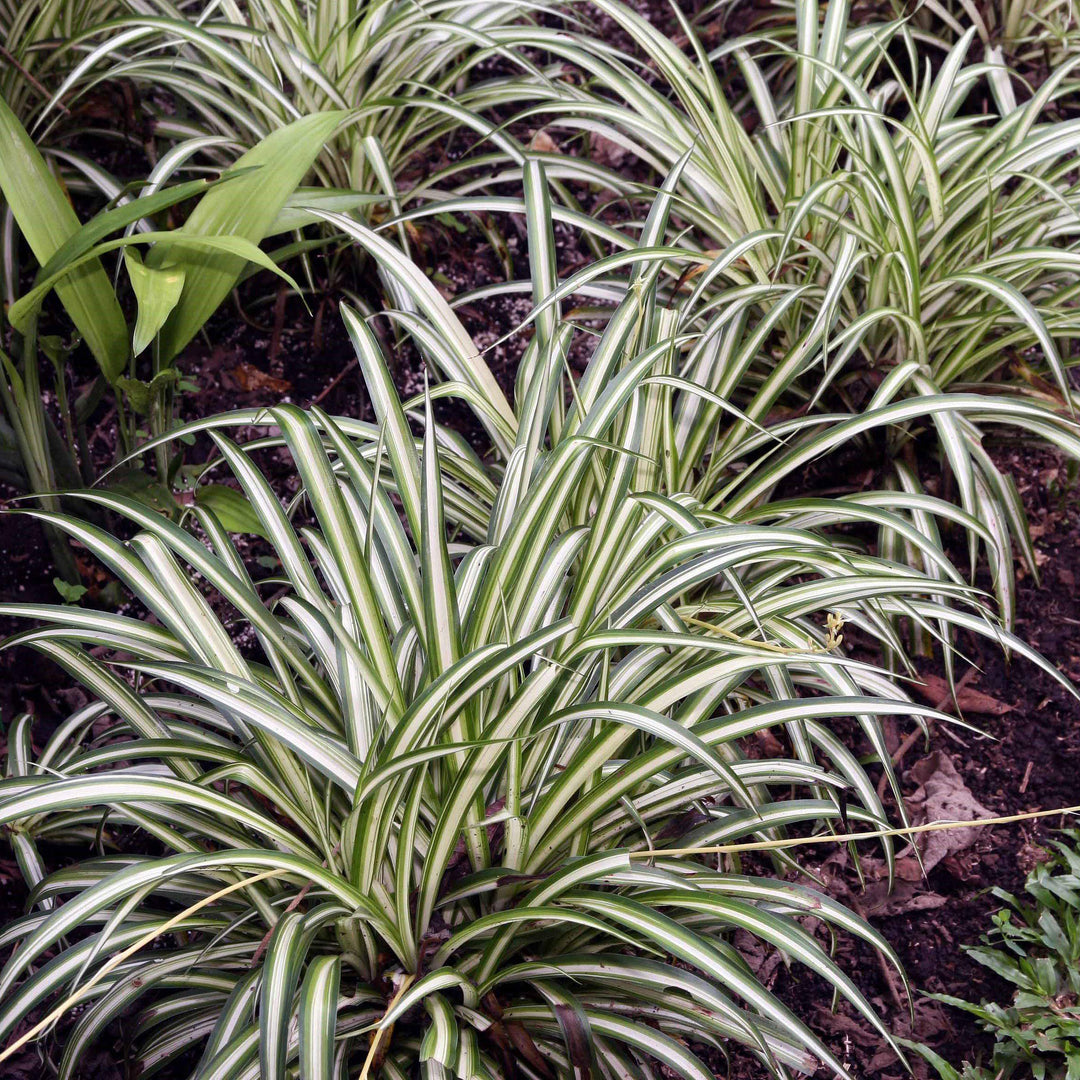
(1027, 777)
(913, 737)
(333, 382)
(952, 695)
(279, 325)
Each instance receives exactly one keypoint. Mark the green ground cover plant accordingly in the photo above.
(1034, 946)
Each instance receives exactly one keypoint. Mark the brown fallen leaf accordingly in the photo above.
(935, 689)
(1031, 855)
(872, 898)
(908, 869)
(248, 377)
(941, 795)
(763, 959)
(605, 151)
(930, 1025)
(543, 143)
(906, 896)
(768, 744)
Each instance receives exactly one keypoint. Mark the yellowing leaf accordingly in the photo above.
(157, 292)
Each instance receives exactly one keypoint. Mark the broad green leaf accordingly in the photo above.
(231, 508)
(245, 208)
(157, 293)
(47, 220)
(120, 217)
(181, 246)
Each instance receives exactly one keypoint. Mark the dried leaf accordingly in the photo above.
(249, 378)
(606, 152)
(942, 795)
(935, 690)
(543, 143)
(907, 896)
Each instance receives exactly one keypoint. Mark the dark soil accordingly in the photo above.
(1028, 760)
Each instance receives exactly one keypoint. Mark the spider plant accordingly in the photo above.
(418, 822)
(1037, 35)
(236, 72)
(462, 751)
(748, 470)
(32, 33)
(886, 233)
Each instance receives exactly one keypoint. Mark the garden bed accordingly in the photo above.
(1028, 761)
(266, 349)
